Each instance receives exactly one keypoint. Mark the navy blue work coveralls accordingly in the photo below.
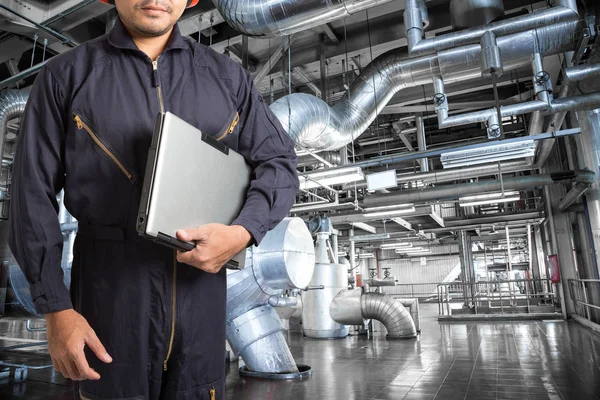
(87, 127)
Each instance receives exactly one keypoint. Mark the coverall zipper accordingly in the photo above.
(173, 310)
(83, 126)
(156, 83)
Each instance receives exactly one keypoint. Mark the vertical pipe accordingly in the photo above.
(245, 51)
(413, 22)
(530, 251)
(590, 138)
(557, 289)
(466, 261)
(353, 252)
(422, 143)
(509, 260)
(589, 234)
(323, 67)
(334, 245)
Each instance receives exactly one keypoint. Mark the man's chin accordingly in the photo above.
(153, 30)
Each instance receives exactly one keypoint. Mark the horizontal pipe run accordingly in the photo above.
(582, 72)
(454, 174)
(286, 17)
(380, 161)
(574, 103)
(313, 124)
(481, 187)
(506, 27)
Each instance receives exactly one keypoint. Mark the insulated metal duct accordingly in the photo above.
(352, 307)
(316, 320)
(285, 17)
(311, 123)
(565, 10)
(471, 13)
(284, 260)
(590, 146)
(455, 191)
(12, 105)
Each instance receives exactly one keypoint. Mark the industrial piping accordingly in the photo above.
(284, 260)
(572, 76)
(352, 307)
(310, 122)
(285, 17)
(12, 105)
(417, 46)
(454, 191)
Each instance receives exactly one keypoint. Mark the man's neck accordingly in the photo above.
(152, 46)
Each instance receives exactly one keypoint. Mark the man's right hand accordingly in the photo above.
(68, 333)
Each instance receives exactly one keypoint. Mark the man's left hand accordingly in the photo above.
(215, 245)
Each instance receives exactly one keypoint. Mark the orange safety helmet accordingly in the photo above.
(191, 3)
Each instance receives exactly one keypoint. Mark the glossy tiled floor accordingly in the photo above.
(498, 360)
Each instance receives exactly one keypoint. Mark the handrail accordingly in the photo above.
(497, 297)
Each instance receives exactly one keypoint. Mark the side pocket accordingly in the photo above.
(229, 126)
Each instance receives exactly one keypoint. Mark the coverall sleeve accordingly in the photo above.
(270, 152)
(35, 238)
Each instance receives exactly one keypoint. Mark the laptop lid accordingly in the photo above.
(190, 180)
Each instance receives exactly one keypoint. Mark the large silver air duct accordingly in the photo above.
(471, 13)
(333, 278)
(311, 123)
(12, 105)
(352, 307)
(590, 147)
(285, 17)
(284, 260)
(566, 10)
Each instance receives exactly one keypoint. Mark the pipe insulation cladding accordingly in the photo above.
(352, 307)
(285, 17)
(493, 185)
(313, 124)
(284, 260)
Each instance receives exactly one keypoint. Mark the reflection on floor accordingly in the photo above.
(479, 360)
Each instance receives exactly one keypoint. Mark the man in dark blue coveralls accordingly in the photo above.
(140, 321)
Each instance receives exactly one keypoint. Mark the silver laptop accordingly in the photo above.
(191, 180)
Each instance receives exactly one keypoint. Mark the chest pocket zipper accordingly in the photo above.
(83, 126)
(213, 394)
(229, 127)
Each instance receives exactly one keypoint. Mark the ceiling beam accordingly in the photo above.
(403, 223)
(330, 34)
(365, 227)
(403, 137)
(306, 80)
(273, 60)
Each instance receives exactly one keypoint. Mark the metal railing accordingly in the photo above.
(412, 290)
(497, 297)
(580, 291)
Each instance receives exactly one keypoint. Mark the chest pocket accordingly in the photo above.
(229, 127)
(85, 128)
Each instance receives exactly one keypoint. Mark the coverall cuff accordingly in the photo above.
(43, 306)
(256, 230)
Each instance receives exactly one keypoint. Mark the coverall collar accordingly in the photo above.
(119, 37)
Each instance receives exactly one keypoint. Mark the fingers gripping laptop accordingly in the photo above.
(191, 180)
